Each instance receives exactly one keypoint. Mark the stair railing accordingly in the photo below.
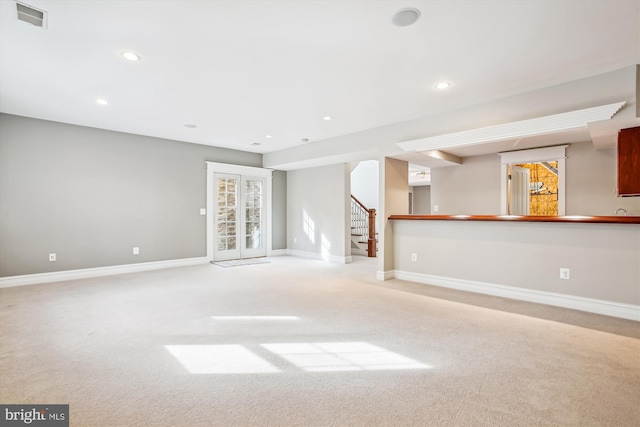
(363, 223)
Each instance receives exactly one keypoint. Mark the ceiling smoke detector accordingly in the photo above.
(31, 15)
(405, 17)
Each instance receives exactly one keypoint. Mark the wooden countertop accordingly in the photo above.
(516, 218)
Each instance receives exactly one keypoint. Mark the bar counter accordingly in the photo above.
(589, 263)
(619, 219)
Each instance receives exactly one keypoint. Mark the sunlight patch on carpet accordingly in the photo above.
(220, 359)
(342, 356)
(310, 357)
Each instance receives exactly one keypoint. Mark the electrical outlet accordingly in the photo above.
(414, 257)
(136, 251)
(295, 240)
(52, 257)
(565, 273)
(435, 208)
(203, 211)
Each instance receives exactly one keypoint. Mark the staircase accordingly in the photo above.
(364, 238)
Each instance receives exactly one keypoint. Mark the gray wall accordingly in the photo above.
(394, 200)
(473, 188)
(470, 188)
(320, 197)
(592, 181)
(421, 199)
(91, 195)
(279, 210)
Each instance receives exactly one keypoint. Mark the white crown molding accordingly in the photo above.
(607, 308)
(85, 273)
(520, 129)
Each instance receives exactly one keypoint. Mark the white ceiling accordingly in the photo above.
(240, 70)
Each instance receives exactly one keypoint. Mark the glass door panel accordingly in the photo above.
(254, 219)
(226, 218)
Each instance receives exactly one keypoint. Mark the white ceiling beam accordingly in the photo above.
(441, 155)
(520, 129)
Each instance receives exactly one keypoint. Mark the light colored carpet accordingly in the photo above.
(319, 344)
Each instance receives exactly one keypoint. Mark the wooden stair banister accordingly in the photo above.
(371, 226)
(372, 242)
(359, 202)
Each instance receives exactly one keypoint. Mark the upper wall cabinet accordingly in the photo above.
(629, 162)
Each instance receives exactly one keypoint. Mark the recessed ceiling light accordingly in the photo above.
(443, 85)
(327, 118)
(268, 136)
(101, 101)
(405, 17)
(190, 126)
(130, 56)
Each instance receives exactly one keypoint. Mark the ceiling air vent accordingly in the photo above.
(31, 15)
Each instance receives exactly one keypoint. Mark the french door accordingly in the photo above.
(239, 217)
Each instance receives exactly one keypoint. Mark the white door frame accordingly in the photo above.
(212, 168)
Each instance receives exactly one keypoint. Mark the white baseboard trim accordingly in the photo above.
(278, 252)
(386, 275)
(59, 276)
(313, 255)
(304, 254)
(340, 259)
(608, 308)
